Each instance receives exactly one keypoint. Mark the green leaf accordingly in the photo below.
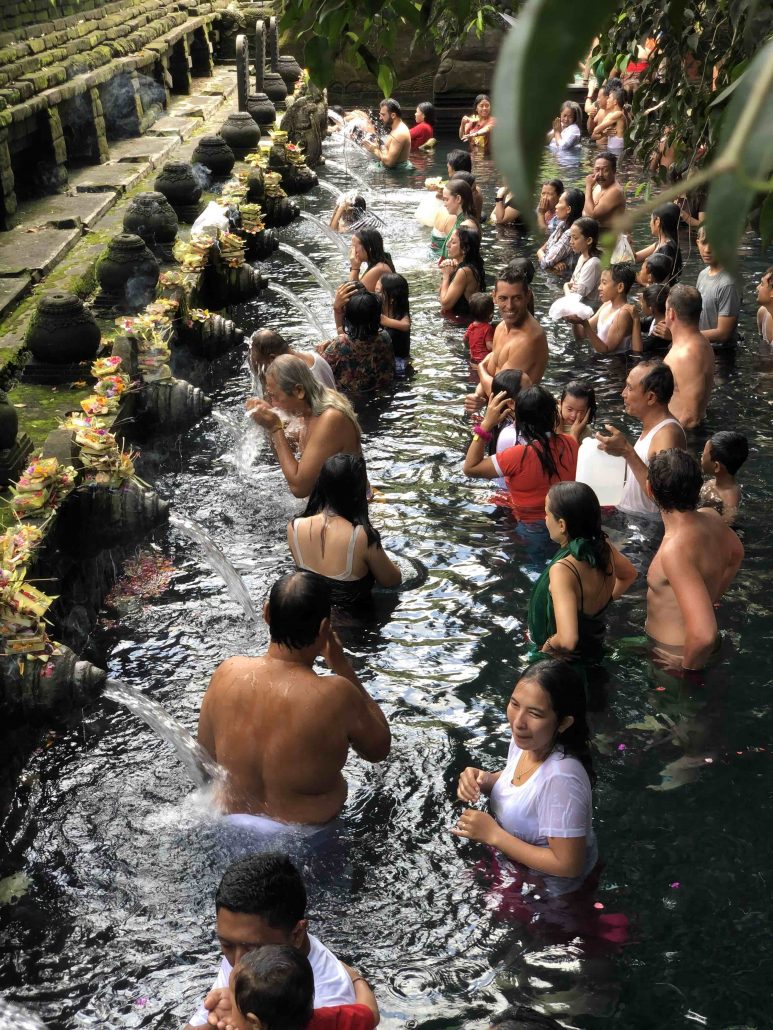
(550, 36)
(318, 58)
(766, 221)
(386, 79)
(730, 199)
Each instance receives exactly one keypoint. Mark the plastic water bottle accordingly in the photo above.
(603, 473)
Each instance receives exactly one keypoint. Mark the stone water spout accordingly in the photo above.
(96, 516)
(38, 691)
(211, 337)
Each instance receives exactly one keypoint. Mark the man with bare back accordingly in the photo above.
(695, 564)
(282, 732)
(691, 357)
(519, 339)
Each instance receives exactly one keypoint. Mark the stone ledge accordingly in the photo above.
(34, 251)
(67, 211)
(120, 177)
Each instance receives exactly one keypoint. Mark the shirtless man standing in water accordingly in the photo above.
(282, 732)
(519, 339)
(604, 197)
(691, 357)
(695, 564)
(395, 150)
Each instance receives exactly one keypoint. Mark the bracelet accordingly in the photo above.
(358, 978)
(483, 434)
(278, 429)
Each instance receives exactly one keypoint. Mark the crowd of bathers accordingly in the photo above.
(282, 732)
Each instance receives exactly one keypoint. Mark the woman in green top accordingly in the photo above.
(568, 601)
(459, 203)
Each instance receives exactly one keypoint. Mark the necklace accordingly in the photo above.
(519, 776)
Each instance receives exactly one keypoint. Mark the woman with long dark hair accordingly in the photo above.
(396, 317)
(556, 255)
(423, 132)
(476, 127)
(368, 249)
(362, 356)
(664, 226)
(568, 601)
(541, 802)
(334, 537)
(463, 272)
(529, 468)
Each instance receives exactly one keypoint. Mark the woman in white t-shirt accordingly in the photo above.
(566, 131)
(541, 801)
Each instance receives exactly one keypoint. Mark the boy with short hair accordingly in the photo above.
(721, 299)
(657, 269)
(722, 456)
(652, 319)
(609, 330)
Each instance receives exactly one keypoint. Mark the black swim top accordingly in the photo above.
(590, 628)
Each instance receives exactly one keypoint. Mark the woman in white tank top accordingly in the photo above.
(541, 801)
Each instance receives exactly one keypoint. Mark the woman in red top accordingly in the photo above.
(424, 129)
(529, 468)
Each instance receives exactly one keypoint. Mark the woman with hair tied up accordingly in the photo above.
(541, 802)
(334, 538)
(362, 356)
(664, 226)
(568, 601)
(330, 425)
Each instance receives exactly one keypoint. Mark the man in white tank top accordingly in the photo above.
(646, 394)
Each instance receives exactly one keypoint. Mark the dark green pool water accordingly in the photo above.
(116, 926)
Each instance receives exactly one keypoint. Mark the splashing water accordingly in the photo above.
(335, 116)
(309, 265)
(330, 188)
(331, 234)
(292, 298)
(237, 428)
(347, 171)
(199, 766)
(218, 561)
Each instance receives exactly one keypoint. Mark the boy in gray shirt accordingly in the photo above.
(721, 300)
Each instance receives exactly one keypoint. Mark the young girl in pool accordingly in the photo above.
(272, 988)
(578, 399)
(583, 239)
(396, 317)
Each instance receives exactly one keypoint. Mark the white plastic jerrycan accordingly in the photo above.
(603, 473)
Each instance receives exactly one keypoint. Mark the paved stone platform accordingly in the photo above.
(119, 177)
(153, 149)
(171, 125)
(36, 251)
(199, 106)
(12, 289)
(67, 211)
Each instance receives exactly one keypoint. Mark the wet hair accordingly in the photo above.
(659, 379)
(583, 392)
(342, 489)
(481, 307)
(768, 274)
(362, 316)
(521, 1017)
(428, 110)
(395, 293)
(575, 200)
(618, 95)
(675, 480)
(337, 108)
(614, 83)
(660, 267)
(623, 272)
(297, 604)
(668, 215)
(373, 244)
(730, 449)
(467, 177)
(686, 303)
(265, 345)
(459, 188)
(607, 155)
(589, 228)
(557, 185)
(480, 97)
(656, 295)
(523, 266)
(509, 381)
(469, 242)
(701, 236)
(513, 277)
(567, 697)
(536, 412)
(275, 983)
(570, 105)
(459, 160)
(266, 884)
(392, 106)
(579, 507)
(289, 372)
(358, 205)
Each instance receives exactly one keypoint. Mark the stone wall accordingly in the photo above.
(18, 14)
